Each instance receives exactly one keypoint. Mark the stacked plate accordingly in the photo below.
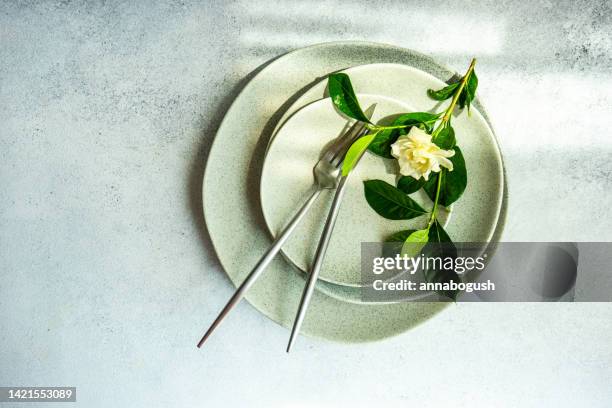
(259, 172)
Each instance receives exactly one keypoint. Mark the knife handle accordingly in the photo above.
(318, 263)
(262, 264)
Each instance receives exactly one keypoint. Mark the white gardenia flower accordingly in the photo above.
(418, 156)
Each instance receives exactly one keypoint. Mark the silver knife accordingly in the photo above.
(319, 257)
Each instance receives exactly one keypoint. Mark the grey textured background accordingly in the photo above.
(107, 111)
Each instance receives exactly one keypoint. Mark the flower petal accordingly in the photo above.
(418, 156)
(446, 163)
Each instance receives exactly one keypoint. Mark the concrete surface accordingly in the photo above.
(107, 111)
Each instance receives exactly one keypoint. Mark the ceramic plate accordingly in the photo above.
(287, 174)
(231, 194)
(361, 74)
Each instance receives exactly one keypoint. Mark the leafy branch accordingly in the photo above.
(443, 133)
(444, 188)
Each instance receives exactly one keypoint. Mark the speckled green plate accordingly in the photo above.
(367, 77)
(287, 172)
(231, 194)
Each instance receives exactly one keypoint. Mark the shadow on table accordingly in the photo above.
(196, 173)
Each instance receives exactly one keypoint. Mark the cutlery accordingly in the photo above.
(326, 176)
(319, 257)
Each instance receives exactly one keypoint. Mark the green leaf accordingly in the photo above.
(394, 243)
(416, 118)
(342, 94)
(444, 93)
(469, 91)
(381, 146)
(390, 202)
(453, 182)
(471, 86)
(446, 138)
(355, 151)
(400, 236)
(462, 101)
(415, 242)
(409, 184)
(437, 234)
(440, 246)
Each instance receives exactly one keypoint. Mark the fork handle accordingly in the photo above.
(318, 262)
(262, 264)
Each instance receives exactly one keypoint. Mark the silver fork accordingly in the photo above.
(326, 176)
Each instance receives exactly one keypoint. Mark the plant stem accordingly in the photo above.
(376, 127)
(445, 118)
(449, 111)
(432, 218)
